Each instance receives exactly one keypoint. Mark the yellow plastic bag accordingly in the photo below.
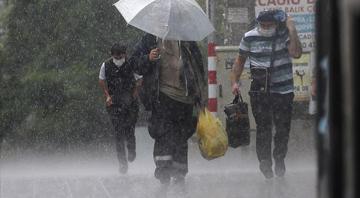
(213, 140)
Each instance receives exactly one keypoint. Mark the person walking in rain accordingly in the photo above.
(118, 82)
(270, 47)
(173, 82)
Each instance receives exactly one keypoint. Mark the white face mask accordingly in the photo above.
(119, 62)
(267, 32)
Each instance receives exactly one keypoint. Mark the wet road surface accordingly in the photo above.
(235, 175)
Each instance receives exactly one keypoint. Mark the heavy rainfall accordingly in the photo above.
(59, 136)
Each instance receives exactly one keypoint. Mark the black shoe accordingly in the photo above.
(265, 168)
(280, 168)
(162, 191)
(165, 181)
(123, 167)
(179, 180)
(179, 185)
(131, 156)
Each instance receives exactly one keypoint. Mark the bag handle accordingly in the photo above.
(236, 99)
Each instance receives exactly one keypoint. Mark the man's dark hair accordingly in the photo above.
(276, 16)
(118, 49)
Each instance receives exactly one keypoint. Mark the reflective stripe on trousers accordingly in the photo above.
(163, 158)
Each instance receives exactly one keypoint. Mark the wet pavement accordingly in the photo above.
(236, 175)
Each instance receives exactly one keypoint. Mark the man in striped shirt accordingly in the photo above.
(270, 47)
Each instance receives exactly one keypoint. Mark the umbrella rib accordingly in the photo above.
(148, 5)
(194, 3)
(168, 19)
(121, 2)
(203, 13)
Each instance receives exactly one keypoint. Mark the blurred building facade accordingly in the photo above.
(239, 18)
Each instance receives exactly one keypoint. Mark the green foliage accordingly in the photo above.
(66, 109)
(50, 58)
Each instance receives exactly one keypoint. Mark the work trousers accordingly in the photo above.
(171, 125)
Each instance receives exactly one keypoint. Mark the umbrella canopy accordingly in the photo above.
(168, 19)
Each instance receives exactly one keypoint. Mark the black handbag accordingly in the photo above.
(260, 77)
(237, 122)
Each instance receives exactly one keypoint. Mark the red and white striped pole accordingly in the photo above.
(212, 82)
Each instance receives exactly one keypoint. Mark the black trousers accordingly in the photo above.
(268, 109)
(123, 120)
(171, 125)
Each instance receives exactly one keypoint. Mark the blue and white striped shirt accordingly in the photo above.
(258, 49)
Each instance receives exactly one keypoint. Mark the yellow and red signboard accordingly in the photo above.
(302, 77)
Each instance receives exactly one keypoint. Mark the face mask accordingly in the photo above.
(119, 62)
(267, 32)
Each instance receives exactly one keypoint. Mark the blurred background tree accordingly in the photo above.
(50, 55)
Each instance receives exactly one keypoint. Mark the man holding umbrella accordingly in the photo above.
(174, 78)
(176, 72)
